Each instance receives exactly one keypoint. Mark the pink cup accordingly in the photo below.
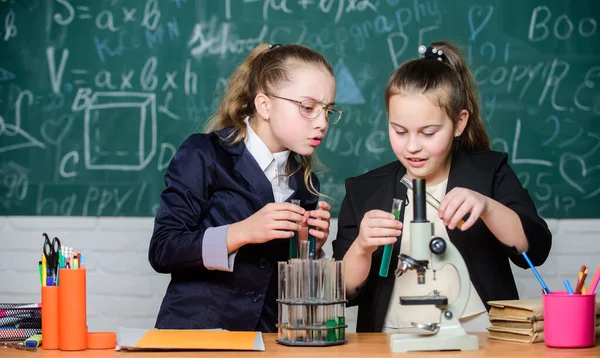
(569, 320)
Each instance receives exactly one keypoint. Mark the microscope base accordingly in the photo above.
(447, 338)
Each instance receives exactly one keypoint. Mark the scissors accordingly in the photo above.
(52, 254)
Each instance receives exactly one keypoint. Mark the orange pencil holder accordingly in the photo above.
(72, 322)
(50, 317)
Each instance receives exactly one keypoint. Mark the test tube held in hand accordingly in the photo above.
(430, 199)
(294, 239)
(387, 249)
(312, 249)
(303, 247)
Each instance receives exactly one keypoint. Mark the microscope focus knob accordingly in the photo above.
(437, 245)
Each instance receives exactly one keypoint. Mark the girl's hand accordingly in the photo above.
(318, 220)
(377, 228)
(460, 202)
(273, 221)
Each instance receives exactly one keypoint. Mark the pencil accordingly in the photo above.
(581, 279)
(594, 283)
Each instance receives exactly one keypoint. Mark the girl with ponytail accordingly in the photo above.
(225, 216)
(437, 134)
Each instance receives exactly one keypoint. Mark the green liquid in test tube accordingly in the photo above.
(294, 239)
(387, 249)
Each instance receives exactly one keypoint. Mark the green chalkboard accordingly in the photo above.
(96, 95)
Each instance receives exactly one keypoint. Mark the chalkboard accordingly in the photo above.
(97, 95)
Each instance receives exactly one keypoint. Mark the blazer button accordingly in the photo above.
(254, 296)
(265, 264)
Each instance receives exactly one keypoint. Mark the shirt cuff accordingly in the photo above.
(214, 249)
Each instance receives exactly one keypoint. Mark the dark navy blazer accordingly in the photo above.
(211, 182)
(486, 257)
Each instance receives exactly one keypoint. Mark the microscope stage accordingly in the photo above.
(424, 300)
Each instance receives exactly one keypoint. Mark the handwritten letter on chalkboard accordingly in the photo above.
(97, 95)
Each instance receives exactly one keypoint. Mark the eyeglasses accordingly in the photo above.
(310, 109)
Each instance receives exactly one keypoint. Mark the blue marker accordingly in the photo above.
(537, 275)
(568, 287)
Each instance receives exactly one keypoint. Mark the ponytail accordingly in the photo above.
(451, 81)
(238, 101)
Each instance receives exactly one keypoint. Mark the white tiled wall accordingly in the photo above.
(124, 291)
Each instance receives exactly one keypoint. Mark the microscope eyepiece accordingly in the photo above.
(419, 194)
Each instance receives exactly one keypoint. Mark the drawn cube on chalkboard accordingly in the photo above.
(120, 131)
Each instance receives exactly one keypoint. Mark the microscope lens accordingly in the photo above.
(421, 278)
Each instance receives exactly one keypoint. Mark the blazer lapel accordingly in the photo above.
(247, 167)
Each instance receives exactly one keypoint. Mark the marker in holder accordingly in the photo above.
(311, 302)
(72, 325)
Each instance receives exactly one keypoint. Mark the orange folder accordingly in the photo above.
(165, 339)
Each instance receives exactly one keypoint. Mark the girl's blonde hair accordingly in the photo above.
(265, 68)
(451, 83)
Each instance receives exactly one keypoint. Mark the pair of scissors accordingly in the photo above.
(52, 254)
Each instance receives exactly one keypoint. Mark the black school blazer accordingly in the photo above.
(487, 259)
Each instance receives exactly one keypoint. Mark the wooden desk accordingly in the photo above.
(359, 345)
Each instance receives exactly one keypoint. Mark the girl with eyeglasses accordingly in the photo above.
(437, 134)
(225, 216)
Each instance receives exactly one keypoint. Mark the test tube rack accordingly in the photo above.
(311, 303)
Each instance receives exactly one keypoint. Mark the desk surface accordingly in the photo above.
(359, 345)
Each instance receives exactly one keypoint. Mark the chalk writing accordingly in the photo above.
(97, 97)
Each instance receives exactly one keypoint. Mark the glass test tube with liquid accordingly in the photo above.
(293, 252)
(387, 249)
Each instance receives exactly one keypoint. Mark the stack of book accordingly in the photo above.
(521, 320)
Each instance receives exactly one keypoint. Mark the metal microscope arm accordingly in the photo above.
(445, 253)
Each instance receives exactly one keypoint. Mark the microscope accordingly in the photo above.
(428, 251)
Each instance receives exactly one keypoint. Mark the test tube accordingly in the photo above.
(430, 199)
(303, 249)
(341, 296)
(282, 295)
(291, 296)
(314, 284)
(312, 241)
(332, 297)
(294, 240)
(323, 298)
(387, 249)
(300, 287)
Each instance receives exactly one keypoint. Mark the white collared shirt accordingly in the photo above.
(272, 164)
(214, 243)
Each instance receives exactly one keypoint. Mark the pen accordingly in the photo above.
(41, 275)
(44, 270)
(537, 275)
(34, 341)
(18, 346)
(568, 287)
